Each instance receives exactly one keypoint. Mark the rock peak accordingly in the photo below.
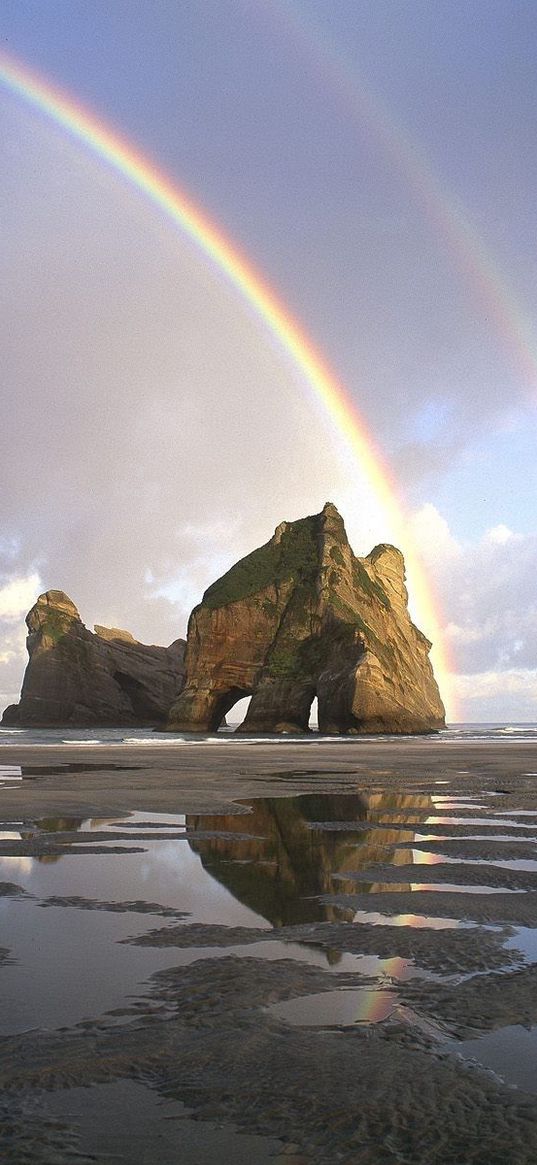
(385, 549)
(332, 520)
(58, 601)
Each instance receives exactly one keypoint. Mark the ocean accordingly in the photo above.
(500, 731)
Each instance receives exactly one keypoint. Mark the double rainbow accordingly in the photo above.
(228, 260)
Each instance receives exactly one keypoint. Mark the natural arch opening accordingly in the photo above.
(313, 723)
(237, 713)
(227, 701)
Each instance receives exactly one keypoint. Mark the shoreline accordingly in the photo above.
(156, 775)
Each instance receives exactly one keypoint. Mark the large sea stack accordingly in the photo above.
(76, 678)
(302, 617)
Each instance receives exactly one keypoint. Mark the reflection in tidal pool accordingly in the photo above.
(267, 867)
(417, 921)
(281, 872)
(71, 962)
(342, 1008)
(10, 773)
(274, 882)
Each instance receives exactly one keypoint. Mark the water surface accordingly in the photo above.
(256, 873)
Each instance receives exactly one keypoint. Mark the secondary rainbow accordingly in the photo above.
(227, 257)
(510, 322)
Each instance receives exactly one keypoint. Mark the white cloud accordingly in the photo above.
(431, 534)
(501, 534)
(12, 659)
(18, 595)
(498, 696)
(462, 635)
(487, 594)
(497, 683)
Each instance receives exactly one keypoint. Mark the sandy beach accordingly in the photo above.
(259, 951)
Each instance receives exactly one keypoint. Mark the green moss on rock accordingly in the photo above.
(294, 557)
(284, 664)
(56, 626)
(368, 585)
(344, 611)
(337, 556)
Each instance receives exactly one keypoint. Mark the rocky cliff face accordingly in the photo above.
(75, 678)
(302, 617)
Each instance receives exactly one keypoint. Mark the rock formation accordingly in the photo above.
(302, 617)
(75, 678)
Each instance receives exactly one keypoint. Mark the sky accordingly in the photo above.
(376, 163)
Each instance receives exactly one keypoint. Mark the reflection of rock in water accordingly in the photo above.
(280, 872)
(58, 825)
(52, 825)
(62, 825)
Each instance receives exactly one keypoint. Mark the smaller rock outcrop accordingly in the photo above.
(76, 678)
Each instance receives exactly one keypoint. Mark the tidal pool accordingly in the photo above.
(337, 1008)
(266, 868)
(511, 1052)
(136, 1126)
(215, 962)
(256, 870)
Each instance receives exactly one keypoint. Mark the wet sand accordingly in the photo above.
(121, 778)
(223, 890)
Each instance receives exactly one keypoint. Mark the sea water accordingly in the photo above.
(454, 733)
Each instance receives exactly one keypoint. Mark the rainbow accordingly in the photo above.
(374, 1005)
(144, 175)
(511, 324)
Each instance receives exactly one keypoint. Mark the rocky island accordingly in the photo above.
(303, 617)
(298, 618)
(76, 678)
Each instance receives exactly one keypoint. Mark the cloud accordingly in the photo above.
(501, 534)
(490, 684)
(431, 533)
(12, 660)
(499, 695)
(153, 431)
(487, 593)
(18, 595)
